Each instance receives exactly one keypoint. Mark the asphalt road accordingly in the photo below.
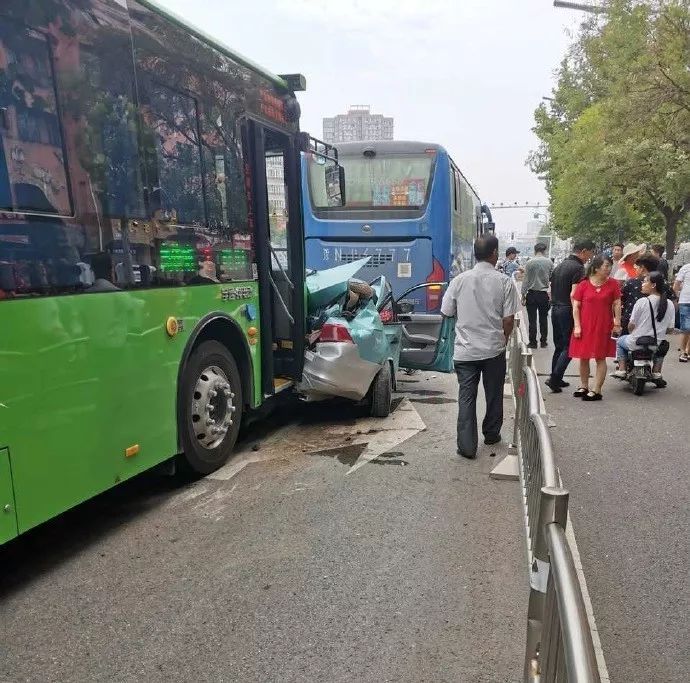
(293, 563)
(625, 462)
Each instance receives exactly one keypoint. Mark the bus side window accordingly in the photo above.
(69, 181)
(33, 168)
(173, 150)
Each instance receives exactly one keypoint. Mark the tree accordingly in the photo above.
(615, 143)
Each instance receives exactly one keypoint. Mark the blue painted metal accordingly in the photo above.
(419, 240)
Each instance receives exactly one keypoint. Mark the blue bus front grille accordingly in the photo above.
(375, 260)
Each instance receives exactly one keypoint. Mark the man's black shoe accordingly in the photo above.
(465, 455)
(564, 384)
(554, 387)
(532, 345)
(544, 344)
(492, 439)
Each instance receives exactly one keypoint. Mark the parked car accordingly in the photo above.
(358, 334)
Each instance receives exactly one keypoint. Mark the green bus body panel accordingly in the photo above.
(8, 518)
(84, 377)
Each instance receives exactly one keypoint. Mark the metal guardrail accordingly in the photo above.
(559, 641)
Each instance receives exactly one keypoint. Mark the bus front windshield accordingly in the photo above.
(381, 182)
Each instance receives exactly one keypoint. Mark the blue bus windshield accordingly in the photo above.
(379, 182)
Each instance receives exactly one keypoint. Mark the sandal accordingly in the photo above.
(684, 358)
(592, 396)
(579, 393)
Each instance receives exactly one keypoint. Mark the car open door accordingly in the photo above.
(427, 338)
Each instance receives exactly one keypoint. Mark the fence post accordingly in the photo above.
(553, 508)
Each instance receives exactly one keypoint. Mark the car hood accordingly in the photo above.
(325, 286)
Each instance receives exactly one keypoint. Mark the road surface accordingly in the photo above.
(302, 560)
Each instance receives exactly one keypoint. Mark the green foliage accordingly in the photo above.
(615, 140)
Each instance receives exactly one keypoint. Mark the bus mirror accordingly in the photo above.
(489, 227)
(335, 185)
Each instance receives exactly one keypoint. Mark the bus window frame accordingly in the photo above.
(252, 130)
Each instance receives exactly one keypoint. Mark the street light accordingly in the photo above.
(594, 9)
(545, 223)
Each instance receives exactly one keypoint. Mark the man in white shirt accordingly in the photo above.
(681, 286)
(484, 303)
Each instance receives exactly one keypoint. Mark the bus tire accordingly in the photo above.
(210, 407)
(381, 392)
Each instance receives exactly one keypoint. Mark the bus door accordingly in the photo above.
(427, 338)
(280, 256)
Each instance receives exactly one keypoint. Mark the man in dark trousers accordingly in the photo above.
(563, 281)
(535, 294)
(484, 303)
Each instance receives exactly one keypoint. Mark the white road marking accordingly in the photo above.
(236, 465)
(377, 435)
(399, 426)
(245, 456)
(598, 649)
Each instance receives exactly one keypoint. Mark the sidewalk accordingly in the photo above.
(625, 463)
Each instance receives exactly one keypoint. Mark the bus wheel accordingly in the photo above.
(381, 393)
(211, 409)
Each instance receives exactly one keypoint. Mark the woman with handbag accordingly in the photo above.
(652, 316)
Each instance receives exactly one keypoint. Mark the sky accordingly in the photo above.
(466, 74)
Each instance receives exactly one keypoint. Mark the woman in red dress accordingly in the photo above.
(597, 315)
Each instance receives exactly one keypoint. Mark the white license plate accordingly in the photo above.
(641, 363)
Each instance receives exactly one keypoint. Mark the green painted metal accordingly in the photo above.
(84, 377)
(8, 517)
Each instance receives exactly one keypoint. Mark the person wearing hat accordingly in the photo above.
(626, 266)
(511, 265)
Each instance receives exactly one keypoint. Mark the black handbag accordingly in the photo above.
(663, 346)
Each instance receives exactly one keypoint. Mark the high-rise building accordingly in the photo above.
(358, 124)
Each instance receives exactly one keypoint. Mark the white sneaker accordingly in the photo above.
(619, 374)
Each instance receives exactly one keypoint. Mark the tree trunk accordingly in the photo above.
(671, 234)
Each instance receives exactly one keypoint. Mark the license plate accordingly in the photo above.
(641, 363)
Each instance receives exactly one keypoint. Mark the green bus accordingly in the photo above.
(151, 248)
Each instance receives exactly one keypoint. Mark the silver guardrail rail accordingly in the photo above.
(559, 641)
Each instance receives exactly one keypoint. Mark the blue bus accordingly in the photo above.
(407, 206)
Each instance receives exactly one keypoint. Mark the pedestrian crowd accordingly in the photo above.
(600, 307)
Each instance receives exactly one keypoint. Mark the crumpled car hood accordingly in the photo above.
(324, 286)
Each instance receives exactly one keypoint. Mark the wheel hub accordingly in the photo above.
(212, 407)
